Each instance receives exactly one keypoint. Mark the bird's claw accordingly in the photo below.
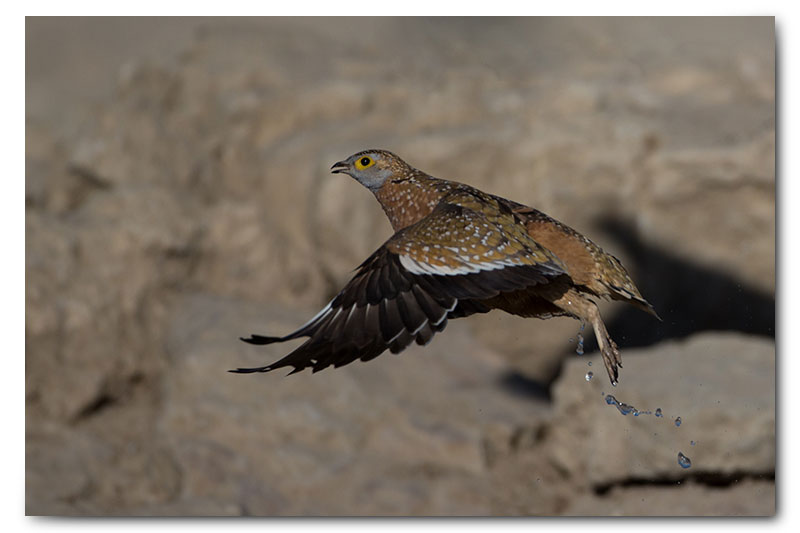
(612, 360)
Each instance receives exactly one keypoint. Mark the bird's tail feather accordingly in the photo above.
(260, 339)
(645, 306)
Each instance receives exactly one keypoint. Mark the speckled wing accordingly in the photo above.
(470, 232)
(443, 266)
(590, 266)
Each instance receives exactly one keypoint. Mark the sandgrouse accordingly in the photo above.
(456, 251)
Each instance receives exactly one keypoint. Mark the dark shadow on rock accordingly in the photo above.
(520, 385)
(688, 297)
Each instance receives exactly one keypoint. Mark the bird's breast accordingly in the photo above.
(407, 201)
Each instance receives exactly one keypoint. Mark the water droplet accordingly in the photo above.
(622, 407)
(659, 414)
(590, 363)
(684, 461)
(678, 422)
(692, 442)
(579, 349)
(589, 376)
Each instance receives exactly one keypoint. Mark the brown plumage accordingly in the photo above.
(456, 251)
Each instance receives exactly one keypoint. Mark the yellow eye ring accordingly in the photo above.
(364, 162)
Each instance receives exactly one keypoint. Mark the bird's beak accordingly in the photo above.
(341, 166)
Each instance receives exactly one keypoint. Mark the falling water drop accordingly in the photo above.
(659, 414)
(589, 375)
(579, 349)
(678, 422)
(622, 407)
(692, 442)
(590, 363)
(684, 461)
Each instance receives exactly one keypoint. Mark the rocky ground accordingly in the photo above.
(178, 196)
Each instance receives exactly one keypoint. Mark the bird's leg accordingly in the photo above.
(586, 310)
(608, 348)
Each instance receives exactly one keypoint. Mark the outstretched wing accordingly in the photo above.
(442, 266)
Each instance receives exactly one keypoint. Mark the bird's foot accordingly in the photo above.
(611, 359)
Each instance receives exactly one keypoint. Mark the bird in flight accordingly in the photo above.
(456, 251)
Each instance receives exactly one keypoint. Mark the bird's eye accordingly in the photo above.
(364, 162)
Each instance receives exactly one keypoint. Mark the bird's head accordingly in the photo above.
(372, 167)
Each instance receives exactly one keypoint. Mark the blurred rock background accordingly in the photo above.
(178, 196)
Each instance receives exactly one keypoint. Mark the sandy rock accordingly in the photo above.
(94, 298)
(720, 385)
(56, 472)
(695, 192)
(397, 435)
(589, 459)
